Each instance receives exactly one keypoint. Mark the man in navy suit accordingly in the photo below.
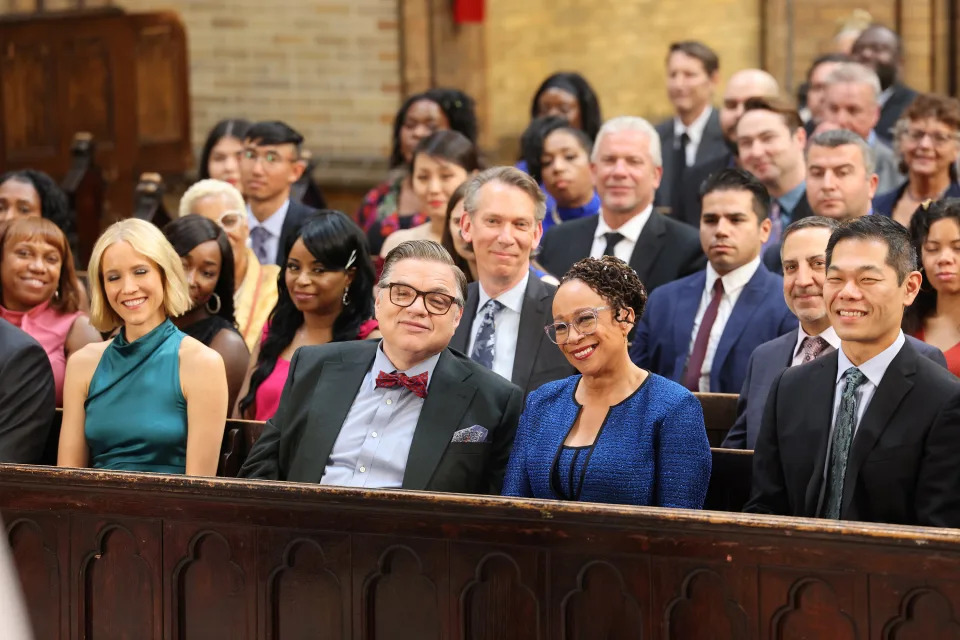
(803, 251)
(700, 330)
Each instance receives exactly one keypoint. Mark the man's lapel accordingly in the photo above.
(532, 314)
(648, 245)
(895, 384)
(447, 400)
(461, 338)
(337, 388)
(748, 304)
(817, 418)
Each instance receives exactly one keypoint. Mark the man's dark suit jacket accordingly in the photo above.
(27, 397)
(297, 214)
(693, 179)
(712, 144)
(771, 256)
(537, 360)
(321, 387)
(662, 343)
(902, 467)
(891, 111)
(766, 362)
(666, 249)
(884, 203)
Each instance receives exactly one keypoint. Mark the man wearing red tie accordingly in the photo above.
(404, 412)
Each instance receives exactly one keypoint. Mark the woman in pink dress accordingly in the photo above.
(39, 291)
(325, 295)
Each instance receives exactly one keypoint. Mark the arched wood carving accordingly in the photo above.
(601, 607)
(924, 614)
(496, 605)
(39, 575)
(399, 601)
(704, 610)
(208, 591)
(304, 595)
(813, 611)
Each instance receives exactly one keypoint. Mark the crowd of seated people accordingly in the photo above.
(539, 330)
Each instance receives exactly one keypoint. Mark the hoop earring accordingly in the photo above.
(346, 298)
(213, 312)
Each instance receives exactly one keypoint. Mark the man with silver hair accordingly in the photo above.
(627, 166)
(852, 102)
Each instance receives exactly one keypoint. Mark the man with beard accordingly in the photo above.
(804, 258)
(880, 49)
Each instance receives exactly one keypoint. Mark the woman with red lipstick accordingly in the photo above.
(615, 433)
(325, 295)
(220, 157)
(927, 137)
(934, 316)
(441, 162)
(151, 399)
(39, 291)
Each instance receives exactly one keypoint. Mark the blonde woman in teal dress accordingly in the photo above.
(151, 399)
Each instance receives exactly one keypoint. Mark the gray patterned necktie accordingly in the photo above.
(483, 346)
(840, 443)
(258, 242)
(812, 347)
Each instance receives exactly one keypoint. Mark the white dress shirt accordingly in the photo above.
(829, 334)
(506, 328)
(631, 230)
(274, 227)
(372, 447)
(694, 133)
(873, 369)
(733, 284)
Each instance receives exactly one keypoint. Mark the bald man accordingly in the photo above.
(742, 85)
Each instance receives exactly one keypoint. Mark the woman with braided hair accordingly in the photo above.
(615, 433)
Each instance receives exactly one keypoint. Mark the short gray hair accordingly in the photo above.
(855, 73)
(842, 137)
(510, 176)
(424, 250)
(630, 123)
(210, 187)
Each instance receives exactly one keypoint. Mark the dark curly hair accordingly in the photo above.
(53, 201)
(456, 105)
(535, 135)
(924, 217)
(614, 280)
(576, 85)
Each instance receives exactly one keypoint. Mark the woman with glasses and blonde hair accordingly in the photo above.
(255, 292)
(927, 138)
(615, 433)
(326, 295)
(151, 399)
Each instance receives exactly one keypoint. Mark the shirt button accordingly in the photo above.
(389, 401)
(363, 469)
(374, 434)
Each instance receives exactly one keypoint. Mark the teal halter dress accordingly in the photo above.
(136, 415)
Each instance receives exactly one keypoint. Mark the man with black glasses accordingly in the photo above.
(405, 412)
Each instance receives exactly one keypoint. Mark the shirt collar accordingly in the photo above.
(791, 199)
(630, 229)
(875, 367)
(872, 138)
(382, 363)
(273, 224)
(736, 279)
(829, 334)
(885, 95)
(695, 130)
(511, 298)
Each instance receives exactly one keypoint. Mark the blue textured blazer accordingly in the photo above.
(766, 362)
(652, 449)
(662, 342)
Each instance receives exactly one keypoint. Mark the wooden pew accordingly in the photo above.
(719, 414)
(84, 188)
(105, 554)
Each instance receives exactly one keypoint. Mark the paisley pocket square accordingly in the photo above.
(476, 433)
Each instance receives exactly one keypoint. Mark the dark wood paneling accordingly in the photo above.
(29, 100)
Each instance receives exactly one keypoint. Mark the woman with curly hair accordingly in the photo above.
(615, 433)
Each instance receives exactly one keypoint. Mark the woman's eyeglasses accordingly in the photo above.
(436, 303)
(585, 323)
(937, 138)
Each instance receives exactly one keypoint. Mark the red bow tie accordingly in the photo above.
(416, 384)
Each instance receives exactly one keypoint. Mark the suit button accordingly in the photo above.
(373, 435)
(363, 469)
(389, 401)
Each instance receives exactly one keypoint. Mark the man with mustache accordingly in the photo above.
(804, 260)
(871, 431)
(626, 165)
(700, 330)
(880, 49)
(509, 305)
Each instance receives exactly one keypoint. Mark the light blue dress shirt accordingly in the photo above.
(374, 442)
(273, 226)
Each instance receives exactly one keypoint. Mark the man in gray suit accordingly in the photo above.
(508, 307)
(694, 133)
(853, 102)
(804, 261)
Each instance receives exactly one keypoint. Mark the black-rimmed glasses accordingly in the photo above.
(585, 322)
(436, 303)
